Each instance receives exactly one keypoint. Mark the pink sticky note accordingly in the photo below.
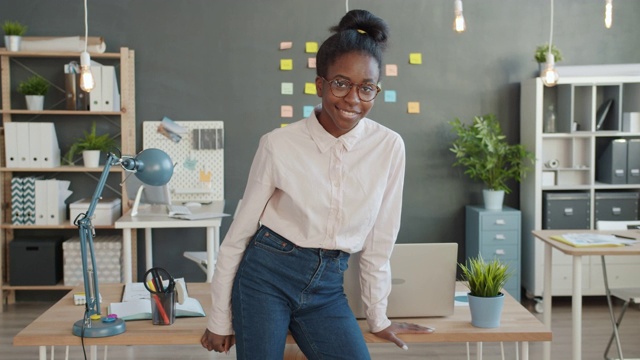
(286, 45)
(311, 63)
(391, 69)
(286, 111)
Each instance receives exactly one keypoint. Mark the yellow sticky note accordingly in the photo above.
(415, 58)
(286, 64)
(311, 63)
(413, 107)
(310, 88)
(391, 69)
(283, 125)
(286, 45)
(311, 47)
(286, 111)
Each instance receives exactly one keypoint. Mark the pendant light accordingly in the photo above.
(549, 74)
(608, 13)
(86, 78)
(459, 25)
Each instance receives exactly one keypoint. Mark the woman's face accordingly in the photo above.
(340, 115)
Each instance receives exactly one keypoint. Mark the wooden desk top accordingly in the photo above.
(545, 236)
(53, 327)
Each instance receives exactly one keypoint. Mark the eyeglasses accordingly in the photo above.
(341, 88)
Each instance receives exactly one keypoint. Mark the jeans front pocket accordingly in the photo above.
(270, 241)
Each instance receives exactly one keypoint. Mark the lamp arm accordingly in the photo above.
(87, 232)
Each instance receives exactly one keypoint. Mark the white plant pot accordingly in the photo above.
(91, 158)
(35, 102)
(12, 42)
(493, 199)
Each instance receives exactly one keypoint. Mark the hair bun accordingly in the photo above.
(366, 24)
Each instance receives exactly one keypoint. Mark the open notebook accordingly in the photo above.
(136, 304)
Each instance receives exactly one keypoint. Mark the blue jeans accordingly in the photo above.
(280, 286)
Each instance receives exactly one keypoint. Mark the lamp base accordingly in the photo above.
(98, 328)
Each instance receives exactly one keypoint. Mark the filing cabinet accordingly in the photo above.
(495, 233)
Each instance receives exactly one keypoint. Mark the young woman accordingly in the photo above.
(318, 190)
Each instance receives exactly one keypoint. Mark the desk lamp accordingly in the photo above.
(152, 167)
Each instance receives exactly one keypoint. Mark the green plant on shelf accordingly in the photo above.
(90, 141)
(13, 28)
(34, 85)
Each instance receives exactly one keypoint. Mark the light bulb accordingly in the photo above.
(86, 78)
(550, 75)
(608, 13)
(459, 24)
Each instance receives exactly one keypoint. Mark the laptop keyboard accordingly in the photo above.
(174, 209)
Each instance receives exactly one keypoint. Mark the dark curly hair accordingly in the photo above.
(358, 30)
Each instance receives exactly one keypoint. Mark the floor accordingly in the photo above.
(596, 331)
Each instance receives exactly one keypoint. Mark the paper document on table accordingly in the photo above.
(199, 216)
(592, 240)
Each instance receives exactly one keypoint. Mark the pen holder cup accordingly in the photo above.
(163, 308)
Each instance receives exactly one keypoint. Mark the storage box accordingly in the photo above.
(548, 178)
(566, 210)
(35, 261)
(631, 122)
(108, 253)
(616, 205)
(106, 213)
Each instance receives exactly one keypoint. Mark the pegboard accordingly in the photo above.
(198, 157)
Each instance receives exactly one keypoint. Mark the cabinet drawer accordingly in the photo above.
(499, 238)
(506, 252)
(500, 221)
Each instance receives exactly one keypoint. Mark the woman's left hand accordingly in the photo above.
(402, 328)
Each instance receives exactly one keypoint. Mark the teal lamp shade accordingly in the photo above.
(152, 166)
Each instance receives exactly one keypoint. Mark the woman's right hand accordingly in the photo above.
(217, 343)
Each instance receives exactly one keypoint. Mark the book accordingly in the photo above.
(136, 304)
(592, 240)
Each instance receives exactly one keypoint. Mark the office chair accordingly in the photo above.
(200, 257)
(628, 295)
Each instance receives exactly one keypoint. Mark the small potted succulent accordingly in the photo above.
(13, 32)
(541, 54)
(34, 89)
(90, 146)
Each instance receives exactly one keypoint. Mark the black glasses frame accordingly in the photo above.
(352, 84)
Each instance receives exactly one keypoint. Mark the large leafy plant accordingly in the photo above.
(482, 149)
(485, 278)
(90, 141)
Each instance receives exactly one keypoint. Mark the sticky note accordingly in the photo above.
(286, 88)
(307, 110)
(310, 88)
(311, 62)
(283, 125)
(286, 111)
(286, 45)
(413, 107)
(311, 47)
(391, 70)
(390, 96)
(415, 58)
(286, 64)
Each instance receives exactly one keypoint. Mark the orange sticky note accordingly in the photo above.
(415, 58)
(311, 63)
(311, 47)
(286, 45)
(391, 69)
(286, 111)
(286, 64)
(310, 88)
(413, 107)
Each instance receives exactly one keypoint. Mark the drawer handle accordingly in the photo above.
(500, 252)
(616, 211)
(500, 222)
(500, 237)
(568, 211)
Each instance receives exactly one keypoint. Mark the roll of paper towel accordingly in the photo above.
(631, 122)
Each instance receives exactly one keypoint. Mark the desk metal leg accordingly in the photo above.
(609, 303)
(479, 350)
(213, 245)
(546, 298)
(576, 307)
(42, 353)
(148, 248)
(126, 255)
(524, 355)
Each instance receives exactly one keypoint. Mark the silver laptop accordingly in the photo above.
(423, 281)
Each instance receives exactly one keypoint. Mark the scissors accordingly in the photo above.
(154, 281)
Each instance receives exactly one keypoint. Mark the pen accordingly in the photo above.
(624, 237)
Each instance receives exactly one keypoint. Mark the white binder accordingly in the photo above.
(11, 144)
(41, 202)
(110, 94)
(43, 145)
(96, 94)
(22, 140)
(57, 193)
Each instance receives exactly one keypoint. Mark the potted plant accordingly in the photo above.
(541, 54)
(13, 32)
(90, 145)
(482, 149)
(485, 280)
(34, 89)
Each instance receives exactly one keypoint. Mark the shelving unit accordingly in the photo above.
(567, 162)
(126, 124)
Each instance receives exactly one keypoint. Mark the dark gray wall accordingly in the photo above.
(218, 60)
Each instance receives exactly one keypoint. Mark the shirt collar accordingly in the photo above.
(325, 141)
